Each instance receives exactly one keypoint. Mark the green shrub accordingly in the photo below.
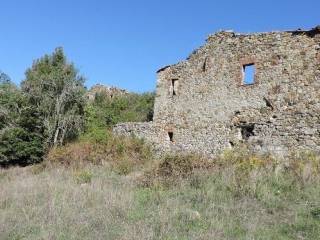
(316, 213)
(104, 112)
(83, 176)
(99, 135)
(20, 147)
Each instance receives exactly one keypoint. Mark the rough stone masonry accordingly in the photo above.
(205, 105)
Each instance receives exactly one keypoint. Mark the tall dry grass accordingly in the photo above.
(237, 196)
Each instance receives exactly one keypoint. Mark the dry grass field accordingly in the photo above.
(238, 196)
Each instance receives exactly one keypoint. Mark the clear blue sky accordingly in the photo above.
(123, 43)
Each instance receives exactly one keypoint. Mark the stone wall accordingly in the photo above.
(202, 104)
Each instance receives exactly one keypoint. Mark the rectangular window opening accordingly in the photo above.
(174, 86)
(170, 134)
(248, 74)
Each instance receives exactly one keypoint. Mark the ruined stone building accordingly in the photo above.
(209, 102)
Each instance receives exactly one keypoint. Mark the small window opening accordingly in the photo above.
(248, 74)
(170, 134)
(204, 66)
(247, 131)
(174, 86)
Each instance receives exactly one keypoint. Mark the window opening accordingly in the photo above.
(248, 74)
(174, 86)
(170, 134)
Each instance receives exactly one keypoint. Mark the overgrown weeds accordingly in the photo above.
(242, 169)
(123, 154)
(173, 168)
(239, 195)
(83, 176)
(304, 165)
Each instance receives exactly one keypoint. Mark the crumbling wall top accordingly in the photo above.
(230, 33)
(223, 35)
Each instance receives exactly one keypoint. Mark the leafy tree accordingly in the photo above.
(4, 78)
(7, 104)
(54, 86)
(21, 129)
(10, 101)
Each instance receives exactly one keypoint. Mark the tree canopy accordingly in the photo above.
(55, 87)
(21, 130)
